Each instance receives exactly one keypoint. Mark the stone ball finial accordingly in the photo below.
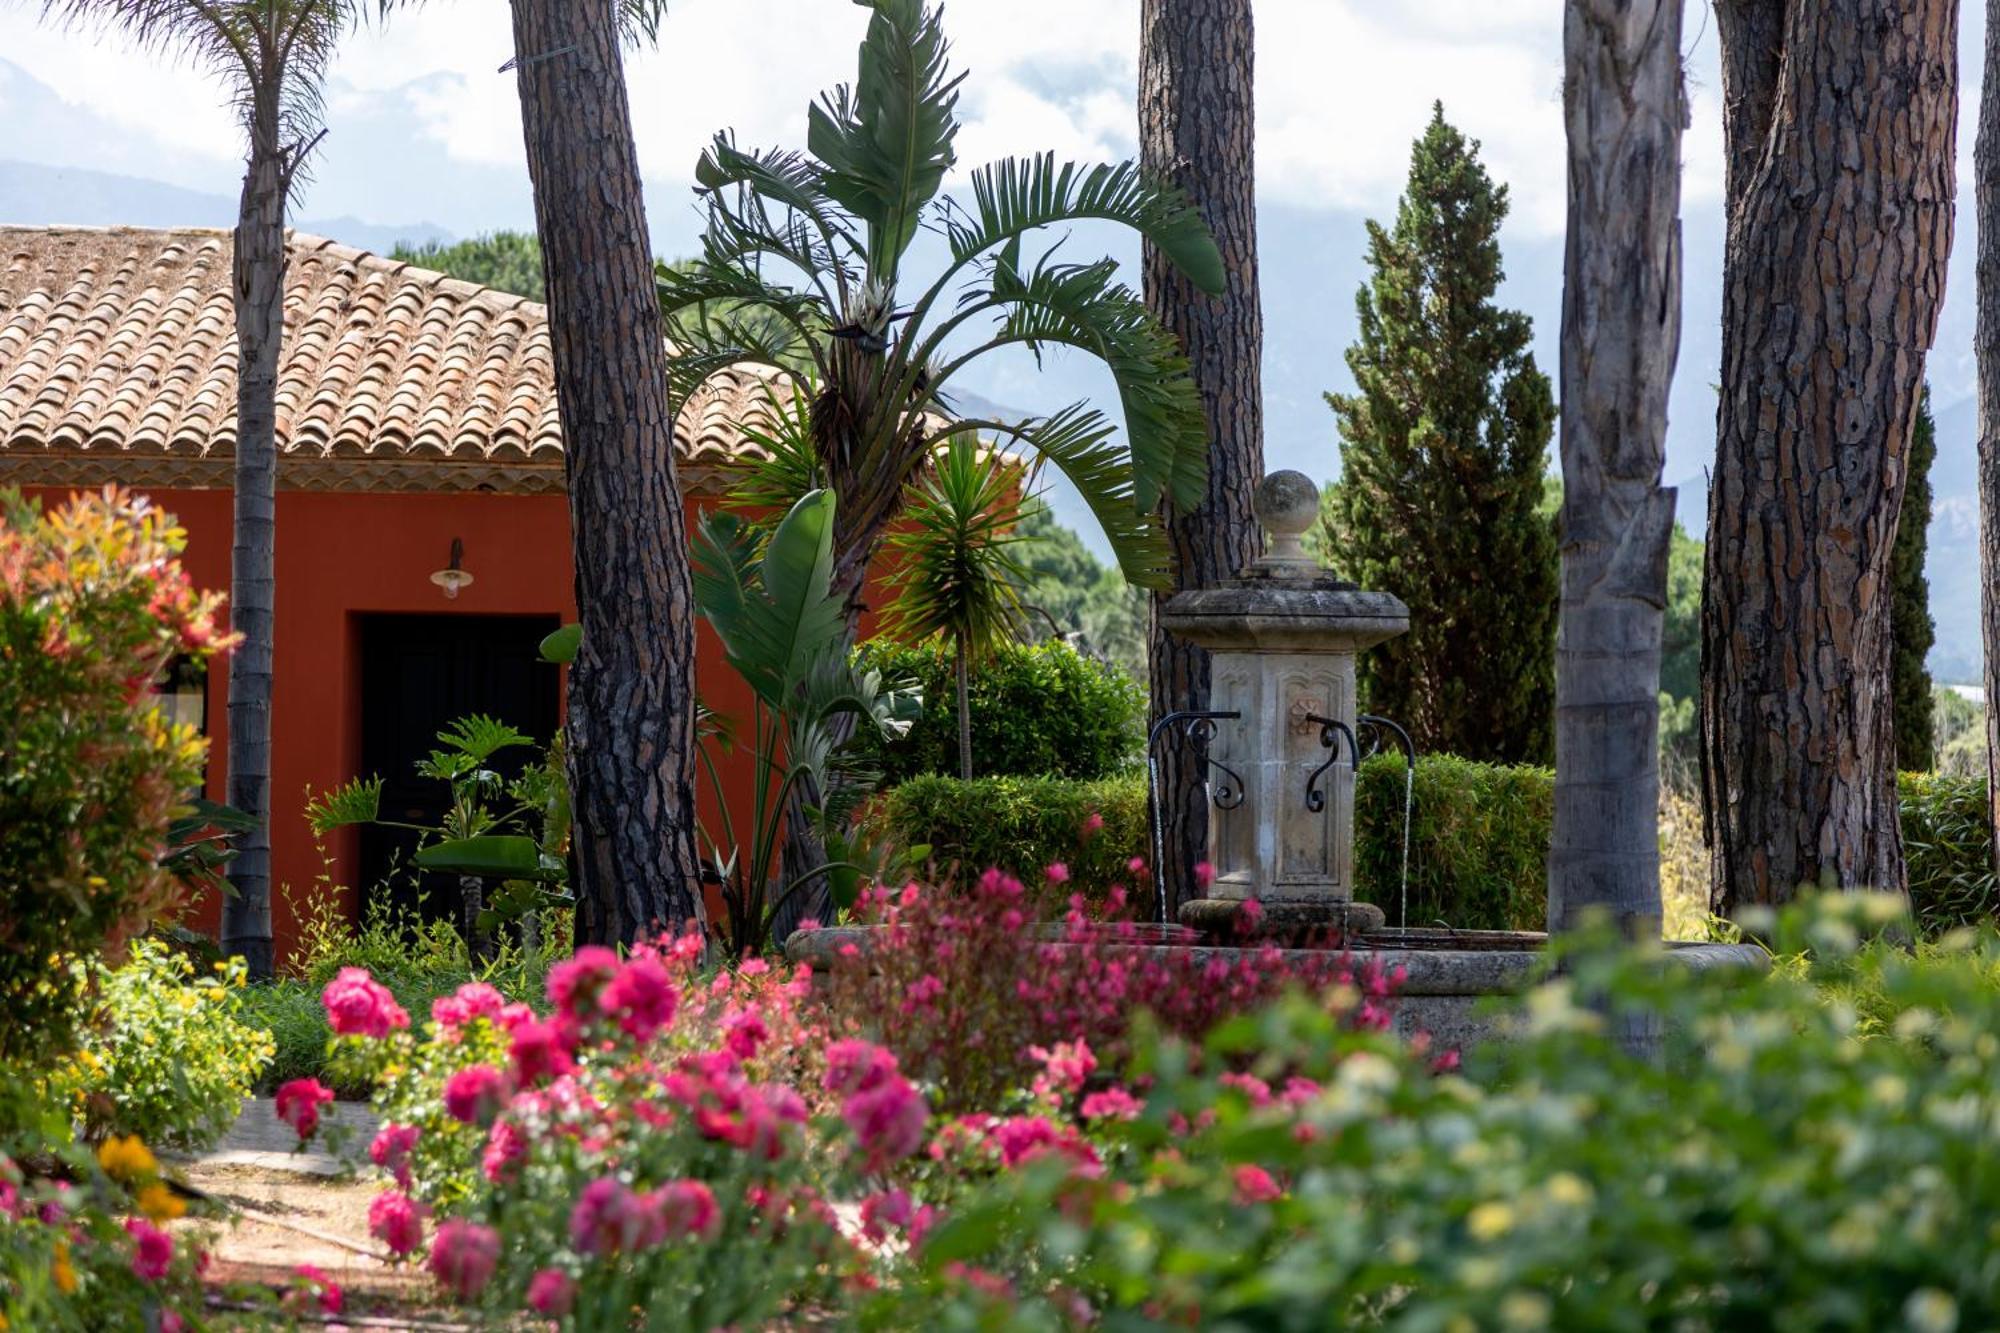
(1287, 504)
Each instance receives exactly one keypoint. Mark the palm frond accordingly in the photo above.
(1016, 195)
(780, 426)
(953, 571)
(887, 143)
(1079, 442)
(358, 802)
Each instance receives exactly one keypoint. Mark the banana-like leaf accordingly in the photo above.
(1017, 195)
(887, 144)
(492, 855)
(775, 614)
(359, 802)
(561, 646)
(797, 574)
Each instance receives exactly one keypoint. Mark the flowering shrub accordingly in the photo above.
(657, 1149)
(964, 988)
(93, 603)
(1772, 1165)
(166, 1054)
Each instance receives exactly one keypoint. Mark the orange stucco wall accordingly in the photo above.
(341, 556)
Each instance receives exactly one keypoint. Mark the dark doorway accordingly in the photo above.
(419, 673)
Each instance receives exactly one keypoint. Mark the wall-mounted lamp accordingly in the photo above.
(451, 578)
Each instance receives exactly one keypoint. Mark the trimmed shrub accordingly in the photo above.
(1037, 710)
(1479, 842)
(1022, 825)
(93, 604)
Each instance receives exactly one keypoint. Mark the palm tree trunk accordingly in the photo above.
(257, 276)
(631, 728)
(964, 712)
(1196, 128)
(1840, 211)
(1625, 107)
(1986, 191)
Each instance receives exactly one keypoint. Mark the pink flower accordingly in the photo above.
(391, 1151)
(1066, 1068)
(1251, 912)
(152, 1249)
(688, 1208)
(475, 999)
(888, 1119)
(1255, 1185)
(609, 1218)
(512, 1016)
(1057, 872)
(1093, 824)
(551, 1292)
(506, 1145)
(357, 1005)
(473, 1096)
(880, 1213)
(574, 985)
(171, 1322)
(314, 1288)
(856, 1066)
(298, 1103)
(397, 1221)
(541, 1051)
(641, 999)
(744, 1032)
(1204, 874)
(1111, 1104)
(463, 1257)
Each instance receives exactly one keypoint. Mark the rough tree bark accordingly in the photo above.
(1986, 192)
(257, 282)
(1197, 129)
(1621, 324)
(631, 733)
(1839, 214)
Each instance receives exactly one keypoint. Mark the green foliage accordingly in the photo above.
(1959, 728)
(770, 601)
(1948, 850)
(1444, 450)
(507, 261)
(1094, 607)
(1040, 709)
(167, 1053)
(1777, 1163)
(1479, 843)
(1023, 824)
(955, 572)
(93, 605)
(1680, 662)
(1911, 632)
(802, 269)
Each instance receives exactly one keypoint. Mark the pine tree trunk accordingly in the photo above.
(1839, 225)
(257, 277)
(631, 731)
(1625, 108)
(964, 711)
(1986, 192)
(1197, 129)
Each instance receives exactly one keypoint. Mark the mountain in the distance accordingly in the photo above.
(35, 195)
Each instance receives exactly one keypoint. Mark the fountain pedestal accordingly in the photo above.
(1284, 635)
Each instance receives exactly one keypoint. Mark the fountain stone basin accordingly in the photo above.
(1455, 985)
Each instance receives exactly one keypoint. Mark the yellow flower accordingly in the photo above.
(1490, 1221)
(1570, 1190)
(64, 1275)
(126, 1158)
(159, 1203)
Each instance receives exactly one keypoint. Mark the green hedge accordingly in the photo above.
(1478, 846)
(1037, 710)
(1022, 825)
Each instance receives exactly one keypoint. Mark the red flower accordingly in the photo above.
(463, 1257)
(391, 1151)
(551, 1292)
(397, 1221)
(298, 1103)
(152, 1249)
(1255, 1185)
(357, 1005)
(541, 1051)
(473, 1096)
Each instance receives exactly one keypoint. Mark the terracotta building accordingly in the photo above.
(418, 434)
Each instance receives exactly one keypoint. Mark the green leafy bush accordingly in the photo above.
(1948, 846)
(1022, 825)
(93, 605)
(1479, 842)
(1041, 710)
(169, 1055)
(1771, 1164)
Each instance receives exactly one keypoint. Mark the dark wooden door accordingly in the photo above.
(419, 673)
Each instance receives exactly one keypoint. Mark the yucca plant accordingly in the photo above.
(802, 264)
(954, 572)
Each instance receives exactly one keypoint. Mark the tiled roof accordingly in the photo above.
(118, 363)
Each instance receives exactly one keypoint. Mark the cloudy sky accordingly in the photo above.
(425, 129)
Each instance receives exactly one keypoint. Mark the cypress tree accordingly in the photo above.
(1444, 451)
(1911, 630)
